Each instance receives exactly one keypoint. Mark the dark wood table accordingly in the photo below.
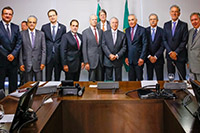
(101, 111)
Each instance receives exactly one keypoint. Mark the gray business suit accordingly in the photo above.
(93, 54)
(194, 54)
(108, 25)
(119, 48)
(32, 58)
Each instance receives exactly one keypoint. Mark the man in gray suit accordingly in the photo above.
(33, 51)
(92, 50)
(114, 47)
(103, 24)
(194, 47)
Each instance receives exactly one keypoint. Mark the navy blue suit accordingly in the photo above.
(71, 55)
(7, 47)
(176, 43)
(136, 49)
(155, 48)
(53, 58)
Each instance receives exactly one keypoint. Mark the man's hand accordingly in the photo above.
(42, 66)
(112, 57)
(10, 57)
(152, 59)
(66, 68)
(87, 66)
(82, 65)
(126, 61)
(22, 68)
(173, 55)
(140, 62)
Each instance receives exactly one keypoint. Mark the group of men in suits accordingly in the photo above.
(100, 49)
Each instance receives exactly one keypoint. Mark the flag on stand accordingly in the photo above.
(126, 25)
(98, 9)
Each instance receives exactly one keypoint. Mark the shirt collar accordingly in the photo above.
(31, 31)
(114, 31)
(93, 28)
(74, 34)
(4, 23)
(175, 21)
(55, 25)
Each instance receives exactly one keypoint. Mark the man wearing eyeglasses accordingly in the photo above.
(10, 44)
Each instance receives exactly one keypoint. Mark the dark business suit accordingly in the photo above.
(118, 48)
(72, 56)
(53, 60)
(176, 43)
(9, 46)
(33, 57)
(155, 48)
(137, 48)
(93, 54)
(108, 25)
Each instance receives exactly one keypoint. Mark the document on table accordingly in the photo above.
(93, 86)
(16, 93)
(148, 82)
(7, 118)
(52, 83)
(41, 83)
(191, 91)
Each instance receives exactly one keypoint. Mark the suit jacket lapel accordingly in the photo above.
(196, 38)
(49, 31)
(4, 30)
(177, 28)
(129, 34)
(117, 39)
(72, 37)
(36, 38)
(58, 32)
(28, 39)
(91, 33)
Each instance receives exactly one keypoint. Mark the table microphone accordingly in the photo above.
(178, 70)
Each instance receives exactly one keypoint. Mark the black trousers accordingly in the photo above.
(158, 69)
(109, 73)
(96, 74)
(53, 66)
(180, 66)
(135, 72)
(11, 72)
(72, 76)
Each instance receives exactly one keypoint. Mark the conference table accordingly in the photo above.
(101, 111)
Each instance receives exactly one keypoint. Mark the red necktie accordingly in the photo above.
(77, 41)
(132, 34)
(95, 32)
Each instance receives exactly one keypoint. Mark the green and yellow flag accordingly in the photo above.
(126, 25)
(98, 9)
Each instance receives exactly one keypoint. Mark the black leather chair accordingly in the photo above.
(2, 94)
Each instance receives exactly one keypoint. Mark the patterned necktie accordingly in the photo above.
(54, 33)
(77, 41)
(8, 31)
(173, 28)
(95, 32)
(153, 34)
(132, 34)
(33, 39)
(103, 28)
(194, 35)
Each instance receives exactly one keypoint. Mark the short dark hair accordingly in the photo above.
(52, 10)
(7, 8)
(24, 22)
(103, 10)
(74, 20)
(195, 13)
(179, 9)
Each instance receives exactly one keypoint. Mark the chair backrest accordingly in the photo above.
(2, 94)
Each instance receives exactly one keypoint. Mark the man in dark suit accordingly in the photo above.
(136, 49)
(176, 33)
(103, 24)
(53, 33)
(92, 50)
(71, 52)
(155, 49)
(114, 47)
(10, 44)
(33, 52)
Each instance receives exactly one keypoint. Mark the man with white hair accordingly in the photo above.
(114, 47)
(92, 50)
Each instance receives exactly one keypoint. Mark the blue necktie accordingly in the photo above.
(153, 34)
(173, 28)
(33, 39)
(8, 31)
(54, 33)
(194, 35)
